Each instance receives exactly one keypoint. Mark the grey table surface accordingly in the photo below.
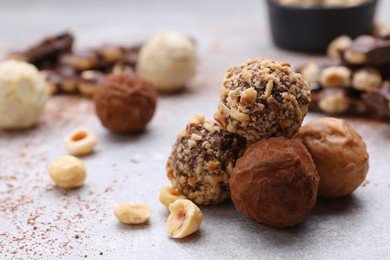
(40, 221)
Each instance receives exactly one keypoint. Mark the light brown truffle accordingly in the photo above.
(339, 154)
(262, 98)
(275, 182)
(125, 102)
(202, 160)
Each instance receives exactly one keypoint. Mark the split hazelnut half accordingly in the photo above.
(185, 218)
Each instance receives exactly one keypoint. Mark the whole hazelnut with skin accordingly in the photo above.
(339, 154)
(275, 182)
(125, 102)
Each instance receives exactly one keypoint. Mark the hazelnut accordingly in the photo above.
(366, 79)
(89, 80)
(337, 76)
(339, 154)
(132, 214)
(275, 182)
(354, 57)
(382, 30)
(311, 71)
(333, 101)
(184, 219)
(80, 142)
(68, 172)
(338, 44)
(169, 195)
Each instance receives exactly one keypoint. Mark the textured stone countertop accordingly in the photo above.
(40, 221)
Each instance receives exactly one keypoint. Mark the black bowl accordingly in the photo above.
(311, 29)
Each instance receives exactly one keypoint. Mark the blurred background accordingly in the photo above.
(229, 24)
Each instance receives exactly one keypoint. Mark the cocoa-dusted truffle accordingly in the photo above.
(202, 160)
(262, 98)
(275, 182)
(339, 154)
(125, 102)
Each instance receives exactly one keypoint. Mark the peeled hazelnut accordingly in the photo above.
(340, 43)
(353, 57)
(275, 182)
(68, 172)
(333, 101)
(80, 142)
(382, 30)
(132, 214)
(337, 76)
(169, 195)
(185, 218)
(339, 154)
(89, 80)
(311, 71)
(367, 79)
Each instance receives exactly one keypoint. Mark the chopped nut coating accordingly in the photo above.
(262, 98)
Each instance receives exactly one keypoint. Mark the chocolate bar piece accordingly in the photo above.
(46, 53)
(349, 102)
(367, 50)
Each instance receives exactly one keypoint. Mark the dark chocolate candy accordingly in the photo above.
(371, 51)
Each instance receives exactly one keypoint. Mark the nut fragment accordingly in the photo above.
(340, 43)
(185, 218)
(169, 195)
(367, 79)
(336, 76)
(80, 142)
(68, 172)
(132, 214)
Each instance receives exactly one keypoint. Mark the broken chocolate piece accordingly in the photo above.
(47, 53)
(367, 50)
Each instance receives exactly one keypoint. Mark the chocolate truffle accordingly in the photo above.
(275, 182)
(125, 102)
(168, 61)
(262, 98)
(23, 94)
(202, 160)
(339, 154)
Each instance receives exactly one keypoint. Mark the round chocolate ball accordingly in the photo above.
(23, 95)
(262, 98)
(202, 160)
(125, 102)
(168, 61)
(339, 153)
(275, 182)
